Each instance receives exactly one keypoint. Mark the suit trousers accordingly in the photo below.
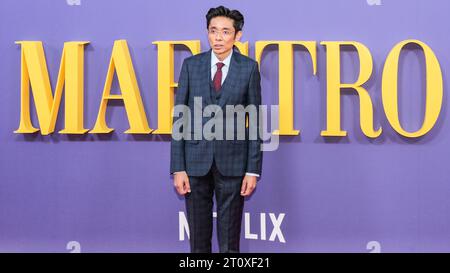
(199, 208)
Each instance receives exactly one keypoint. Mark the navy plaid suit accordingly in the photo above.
(217, 165)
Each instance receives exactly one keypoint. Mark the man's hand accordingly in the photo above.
(181, 182)
(248, 185)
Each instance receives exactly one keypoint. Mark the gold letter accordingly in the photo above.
(34, 72)
(334, 86)
(131, 96)
(434, 89)
(243, 47)
(286, 80)
(166, 82)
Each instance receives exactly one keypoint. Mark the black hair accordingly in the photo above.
(235, 15)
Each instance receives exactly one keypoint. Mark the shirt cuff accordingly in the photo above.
(252, 174)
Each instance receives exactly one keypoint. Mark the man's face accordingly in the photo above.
(221, 35)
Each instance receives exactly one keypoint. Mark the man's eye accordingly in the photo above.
(226, 32)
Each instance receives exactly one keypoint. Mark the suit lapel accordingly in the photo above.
(205, 69)
(231, 79)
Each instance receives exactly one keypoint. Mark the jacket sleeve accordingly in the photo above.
(254, 157)
(177, 158)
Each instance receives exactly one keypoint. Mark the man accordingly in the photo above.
(228, 168)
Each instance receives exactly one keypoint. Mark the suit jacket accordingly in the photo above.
(241, 87)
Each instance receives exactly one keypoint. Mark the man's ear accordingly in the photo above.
(238, 36)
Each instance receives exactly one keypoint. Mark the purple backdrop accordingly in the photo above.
(114, 193)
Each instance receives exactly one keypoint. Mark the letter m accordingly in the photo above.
(34, 73)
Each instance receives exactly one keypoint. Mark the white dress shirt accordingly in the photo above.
(226, 62)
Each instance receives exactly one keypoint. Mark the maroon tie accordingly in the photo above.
(217, 81)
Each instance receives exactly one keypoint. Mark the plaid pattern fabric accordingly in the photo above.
(199, 209)
(241, 87)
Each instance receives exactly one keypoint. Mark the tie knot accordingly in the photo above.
(220, 65)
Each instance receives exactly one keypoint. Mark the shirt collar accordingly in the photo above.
(215, 60)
